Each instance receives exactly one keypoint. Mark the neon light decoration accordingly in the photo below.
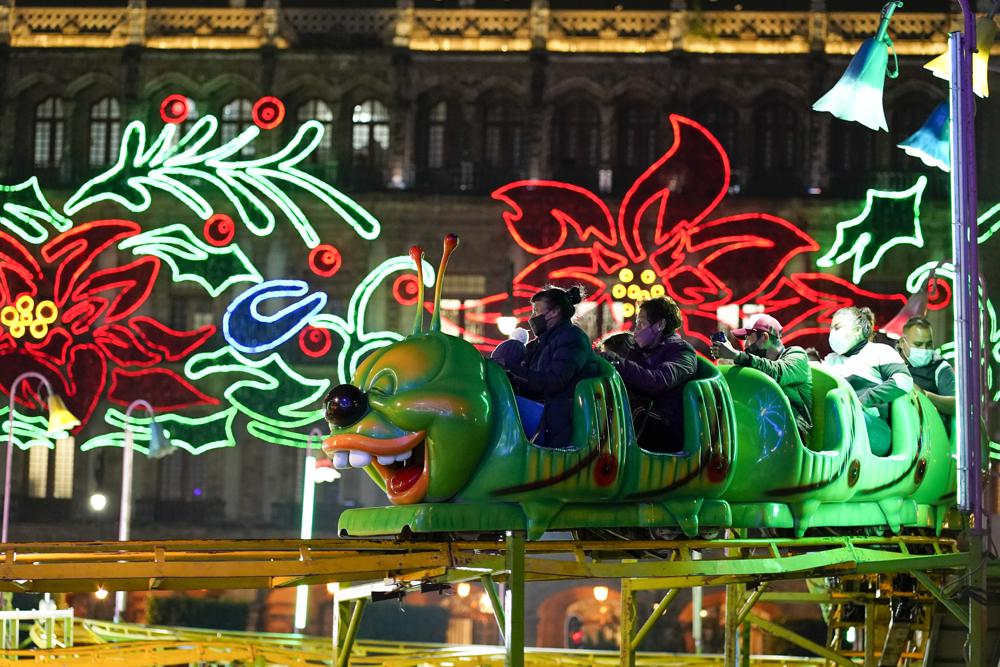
(66, 315)
(249, 330)
(87, 338)
(898, 216)
(663, 238)
(268, 112)
(171, 164)
(174, 109)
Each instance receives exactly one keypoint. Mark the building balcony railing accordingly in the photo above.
(486, 30)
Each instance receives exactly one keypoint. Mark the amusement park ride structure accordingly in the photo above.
(894, 553)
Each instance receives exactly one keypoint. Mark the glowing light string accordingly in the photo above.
(195, 435)
(274, 396)
(250, 331)
(25, 211)
(191, 259)
(867, 244)
(246, 184)
(29, 430)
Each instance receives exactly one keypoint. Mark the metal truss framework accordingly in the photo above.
(745, 566)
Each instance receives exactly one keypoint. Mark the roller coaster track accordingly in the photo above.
(144, 646)
(745, 566)
(224, 564)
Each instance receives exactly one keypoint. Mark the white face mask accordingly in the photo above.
(842, 340)
(920, 356)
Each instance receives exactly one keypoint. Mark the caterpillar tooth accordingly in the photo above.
(341, 460)
(359, 459)
(405, 455)
(386, 460)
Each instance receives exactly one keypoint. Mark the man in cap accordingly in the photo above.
(788, 366)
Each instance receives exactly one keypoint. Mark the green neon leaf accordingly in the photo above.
(895, 220)
(272, 393)
(196, 435)
(989, 223)
(193, 260)
(254, 188)
(25, 211)
(29, 430)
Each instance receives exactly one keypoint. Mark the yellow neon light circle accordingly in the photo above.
(46, 312)
(648, 276)
(25, 303)
(626, 275)
(9, 315)
(634, 291)
(618, 291)
(628, 310)
(657, 290)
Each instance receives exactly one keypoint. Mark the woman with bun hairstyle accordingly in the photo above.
(558, 358)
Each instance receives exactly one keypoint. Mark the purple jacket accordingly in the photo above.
(659, 374)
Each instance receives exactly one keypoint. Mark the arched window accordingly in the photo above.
(105, 132)
(319, 110)
(48, 133)
(370, 133)
(369, 144)
(721, 119)
(638, 136)
(775, 131)
(502, 135)
(236, 117)
(577, 148)
(437, 125)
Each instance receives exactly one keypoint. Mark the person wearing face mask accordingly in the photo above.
(932, 375)
(875, 370)
(788, 366)
(558, 358)
(654, 371)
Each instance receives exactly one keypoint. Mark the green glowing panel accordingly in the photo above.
(888, 219)
(195, 435)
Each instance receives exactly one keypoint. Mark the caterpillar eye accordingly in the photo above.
(344, 405)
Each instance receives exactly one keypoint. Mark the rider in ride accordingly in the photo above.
(932, 375)
(559, 357)
(788, 366)
(875, 370)
(655, 372)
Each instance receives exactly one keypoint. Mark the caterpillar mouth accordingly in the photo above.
(400, 462)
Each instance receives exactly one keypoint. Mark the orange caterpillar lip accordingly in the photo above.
(374, 446)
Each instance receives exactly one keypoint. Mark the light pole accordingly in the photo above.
(60, 419)
(309, 481)
(157, 444)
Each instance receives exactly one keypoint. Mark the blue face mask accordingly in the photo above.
(919, 356)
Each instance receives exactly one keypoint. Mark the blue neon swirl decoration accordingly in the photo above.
(249, 330)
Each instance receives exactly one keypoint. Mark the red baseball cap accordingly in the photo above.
(762, 323)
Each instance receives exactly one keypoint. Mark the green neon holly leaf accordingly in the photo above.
(196, 435)
(254, 188)
(25, 211)
(888, 219)
(191, 259)
(29, 430)
(271, 395)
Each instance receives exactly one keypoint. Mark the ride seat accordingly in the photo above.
(831, 411)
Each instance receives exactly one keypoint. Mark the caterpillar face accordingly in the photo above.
(417, 414)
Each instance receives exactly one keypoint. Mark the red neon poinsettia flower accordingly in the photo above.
(74, 322)
(664, 240)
